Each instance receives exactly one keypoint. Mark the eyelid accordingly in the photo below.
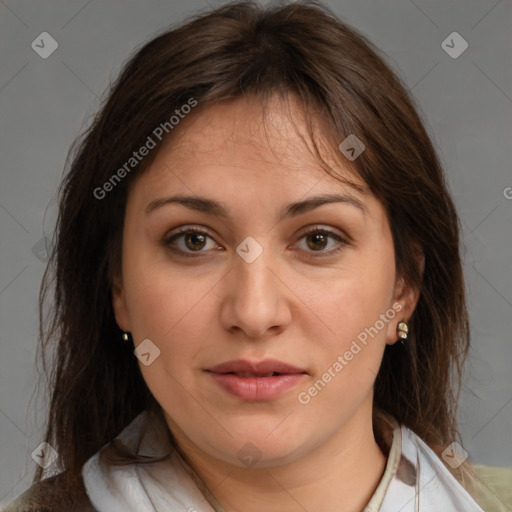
(342, 235)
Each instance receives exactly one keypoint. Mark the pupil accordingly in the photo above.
(195, 244)
(318, 238)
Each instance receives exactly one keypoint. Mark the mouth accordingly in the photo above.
(249, 375)
(247, 369)
(256, 381)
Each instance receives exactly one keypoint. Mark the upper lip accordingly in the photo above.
(257, 367)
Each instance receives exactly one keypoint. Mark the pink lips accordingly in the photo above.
(258, 381)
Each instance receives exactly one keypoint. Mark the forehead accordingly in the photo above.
(253, 162)
(235, 137)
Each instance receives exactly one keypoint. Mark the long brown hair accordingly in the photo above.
(236, 50)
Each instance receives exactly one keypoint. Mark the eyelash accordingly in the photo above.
(168, 240)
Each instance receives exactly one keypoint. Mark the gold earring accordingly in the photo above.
(126, 336)
(402, 330)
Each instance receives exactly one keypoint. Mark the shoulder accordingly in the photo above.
(50, 495)
(490, 486)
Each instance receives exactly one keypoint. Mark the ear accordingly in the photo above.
(404, 303)
(119, 305)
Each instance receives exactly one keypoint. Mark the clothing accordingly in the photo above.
(415, 479)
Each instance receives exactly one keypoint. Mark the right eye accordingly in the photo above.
(188, 241)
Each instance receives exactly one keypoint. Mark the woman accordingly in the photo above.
(259, 298)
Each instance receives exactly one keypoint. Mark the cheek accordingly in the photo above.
(175, 310)
(357, 310)
(166, 312)
(161, 296)
(354, 301)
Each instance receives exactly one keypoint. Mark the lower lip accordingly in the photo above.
(257, 388)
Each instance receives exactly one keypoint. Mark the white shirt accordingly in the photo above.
(415, 479)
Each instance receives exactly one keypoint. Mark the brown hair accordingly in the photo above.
(236, 50)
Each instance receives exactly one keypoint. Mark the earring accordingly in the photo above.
(402, 330)
(126, 336)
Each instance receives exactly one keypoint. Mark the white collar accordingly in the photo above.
(415, 479)
(158, 486)
(421, 482)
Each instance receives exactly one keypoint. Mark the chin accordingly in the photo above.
(256, 448)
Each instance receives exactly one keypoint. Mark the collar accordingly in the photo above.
(415, 479)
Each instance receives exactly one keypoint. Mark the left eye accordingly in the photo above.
(317, 240)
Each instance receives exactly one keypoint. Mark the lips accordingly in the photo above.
(256, 381)
(247, 369)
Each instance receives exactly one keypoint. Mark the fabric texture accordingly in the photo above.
(415, 479)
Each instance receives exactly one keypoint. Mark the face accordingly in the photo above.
(262, 303)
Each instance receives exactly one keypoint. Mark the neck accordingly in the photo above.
(341, 474)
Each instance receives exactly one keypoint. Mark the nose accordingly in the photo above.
(256, 302)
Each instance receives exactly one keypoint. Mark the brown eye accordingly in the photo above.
(189, 241)
(317, 241)
(321, 241)
(195, 241)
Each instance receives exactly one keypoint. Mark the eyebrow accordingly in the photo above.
(212, 207)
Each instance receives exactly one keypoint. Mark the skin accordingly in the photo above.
(215, 307)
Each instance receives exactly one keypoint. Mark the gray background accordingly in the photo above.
(466, 103)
